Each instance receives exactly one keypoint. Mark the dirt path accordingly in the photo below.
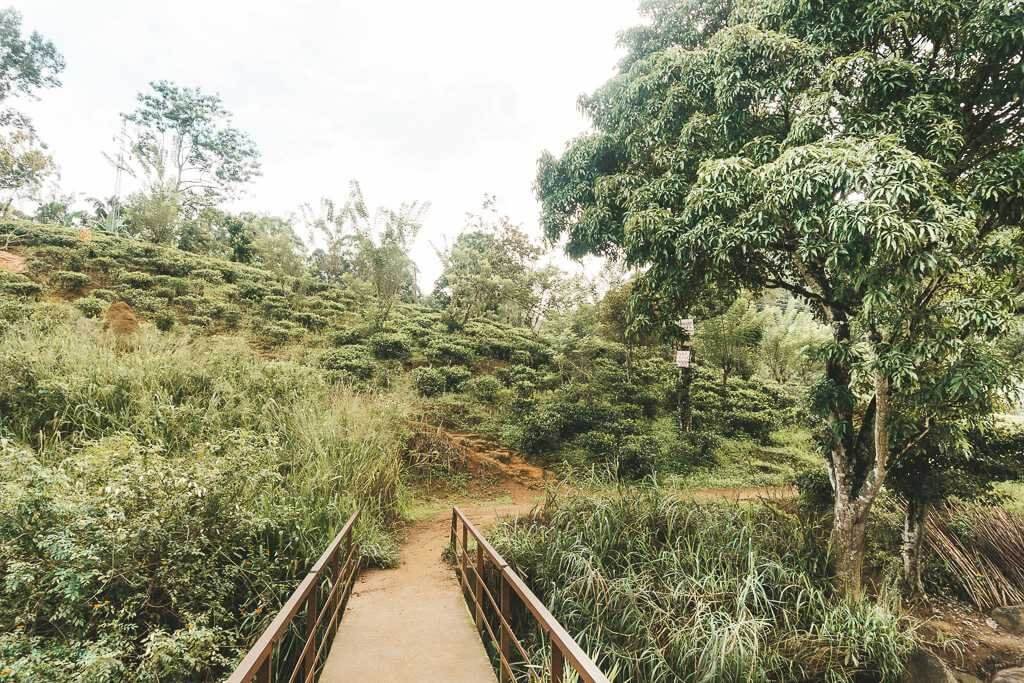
(12, 263)
(411, 623)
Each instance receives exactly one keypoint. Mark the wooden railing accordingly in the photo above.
(483, 573)
(294, 649)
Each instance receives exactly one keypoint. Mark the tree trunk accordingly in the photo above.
(848, 541)
(913, 546)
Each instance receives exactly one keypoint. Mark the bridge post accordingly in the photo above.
(557, 663)
(311, 614)
(465, 557)
(506, 637)
(479, 586)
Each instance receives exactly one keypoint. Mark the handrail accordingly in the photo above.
(564, 648)
(328, 575)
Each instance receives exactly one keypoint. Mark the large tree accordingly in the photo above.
(371, 245)
(28, 63)
(489, 270)
(182, 143)
(867, 157)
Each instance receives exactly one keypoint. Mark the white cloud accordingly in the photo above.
(440, 101)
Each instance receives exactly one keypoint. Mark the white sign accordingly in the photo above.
(682, 358)
(686, 325)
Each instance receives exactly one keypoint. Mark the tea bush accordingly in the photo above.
(354, 361)
(13, 284)
(91, 307)
(70, 281)
(136, 279)
(387, 345)
(429, 381)
(449, 353)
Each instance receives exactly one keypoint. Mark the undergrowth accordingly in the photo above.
(660, 589)
(159, 502)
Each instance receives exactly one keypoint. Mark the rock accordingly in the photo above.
(1010, 618)
(1015, 675)
(924, 667)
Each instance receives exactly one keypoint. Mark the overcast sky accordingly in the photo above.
(439, 101)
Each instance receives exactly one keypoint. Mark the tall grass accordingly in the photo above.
(158, 503)
(666, 590)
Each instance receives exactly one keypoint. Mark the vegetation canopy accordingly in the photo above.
(866, 157)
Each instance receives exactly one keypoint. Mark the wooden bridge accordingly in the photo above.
(412, 624)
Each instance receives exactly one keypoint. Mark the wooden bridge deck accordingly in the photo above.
(412, 623)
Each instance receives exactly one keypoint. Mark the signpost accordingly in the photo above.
(684, 359)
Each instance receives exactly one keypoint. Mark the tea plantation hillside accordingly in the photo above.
(570, 399)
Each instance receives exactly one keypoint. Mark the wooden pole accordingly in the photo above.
(479, 586)
(506, 637)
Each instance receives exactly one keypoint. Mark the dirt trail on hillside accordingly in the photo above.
(411, 623)
(12, 263)
(482, 456)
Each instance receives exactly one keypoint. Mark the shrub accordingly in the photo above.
(277, 334)
(540, 430)
(189, 303)
(389, 345)
(136, 279)
(351, 360)
(164, 321)
(104, 294)
(18, 285)
(90, 306)
(104, 264)
(485, 388)
(180, 286)
(166, 293)
(311, 321)
(209, 275)
(348, 336)
(449, 353)
(455, 376)
(252, 291)
(814, 488)
(429, 381)
(70, 281)
(199, 471)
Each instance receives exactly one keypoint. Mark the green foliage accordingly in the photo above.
(485, 388)
(865, 157)
(449, 353)
(489, 270)
(436, 381)
(136, 279)
(183, 142)
(660, 589)
(28, 63)
(389, 345)
(70, 281)
(12, 284)
(90, 306)
(429, 381)
(198, 470)
(730, 342)
(165, 321)
(354, 361)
